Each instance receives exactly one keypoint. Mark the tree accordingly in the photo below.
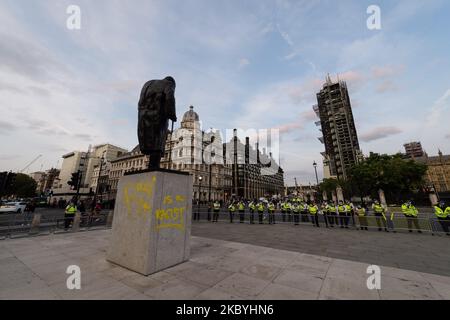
(399, 178)
(24, 186)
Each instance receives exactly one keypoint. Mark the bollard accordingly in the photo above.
(109, 219)
(76, 222)
(35, 223)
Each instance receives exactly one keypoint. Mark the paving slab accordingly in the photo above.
(219, 269)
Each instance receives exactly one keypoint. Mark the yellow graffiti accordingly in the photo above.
(138, 198)
(179, 198)
(170, 218)
(167, 200)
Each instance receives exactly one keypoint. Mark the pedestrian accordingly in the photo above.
(326, 212)
(271, 210)
(260, 208)
(296, 212)
(380, 215)
(342, 211)
(241, 209)
(313, 211)
(411, 214)
(252, 207)
(442, 213)
(231, 210)
(361, 213)
(69, 214)
(283, 211)
(216, 211)
(304, 211)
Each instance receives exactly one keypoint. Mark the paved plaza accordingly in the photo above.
(412, 251)
(34, 267)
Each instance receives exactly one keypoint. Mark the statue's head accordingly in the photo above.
(172, 80)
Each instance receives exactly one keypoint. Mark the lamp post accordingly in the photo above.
(200, 178)
(315, 170)
(317, 178)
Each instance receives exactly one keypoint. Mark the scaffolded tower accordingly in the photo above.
(338, 129)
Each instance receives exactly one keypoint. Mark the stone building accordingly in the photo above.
(438, 172)
(186, 149)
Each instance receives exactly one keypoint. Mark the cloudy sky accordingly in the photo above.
(246, 64)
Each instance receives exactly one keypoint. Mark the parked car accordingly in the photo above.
(17, 207)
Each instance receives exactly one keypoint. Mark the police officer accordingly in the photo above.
(288, 208)
(326, 211)
(252, 207)
(361, 213)
(260, 208)
(241, 209)
(283, 211)
(216, 208)
(442, 214)
(380, 215)
(69, 214)
(304, 211)
(350, 211)
(271, 209)
(342, 211)
(231, 210)
(296, 212)
(411, 214)
(314, 211)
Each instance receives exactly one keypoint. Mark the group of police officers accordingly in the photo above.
(296, 210)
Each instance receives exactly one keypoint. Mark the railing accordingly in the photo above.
(21, 226)
(393, 222)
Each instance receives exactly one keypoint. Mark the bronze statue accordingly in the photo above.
(156, 106)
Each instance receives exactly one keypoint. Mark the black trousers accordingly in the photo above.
(260, 216)
(231, 216)
(325, 218)
(343, 219)
(379, 218)
(444, 223)
(305, 216)
(252, 216)
(196, 215)
(315, 219)
(271, 217)
(363, 222)
(215, 215)
(296, 218)
(411, 221)
(283, 215)
(68, 220)
(241, 216)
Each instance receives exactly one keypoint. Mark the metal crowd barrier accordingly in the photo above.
(395, 221)
(23, 226)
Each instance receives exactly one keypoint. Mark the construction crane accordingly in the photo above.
(33, 161)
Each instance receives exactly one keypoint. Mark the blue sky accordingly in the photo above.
(245, 64)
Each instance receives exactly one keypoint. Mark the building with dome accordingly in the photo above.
(216, 173)
(186, 148)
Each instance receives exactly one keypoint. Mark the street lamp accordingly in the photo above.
(200, 178)
(315, 169)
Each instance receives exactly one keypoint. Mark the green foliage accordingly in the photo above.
(393, 174)
(24, 186)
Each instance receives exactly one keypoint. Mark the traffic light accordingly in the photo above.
(74, 180)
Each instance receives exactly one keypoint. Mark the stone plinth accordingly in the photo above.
(152, 221)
